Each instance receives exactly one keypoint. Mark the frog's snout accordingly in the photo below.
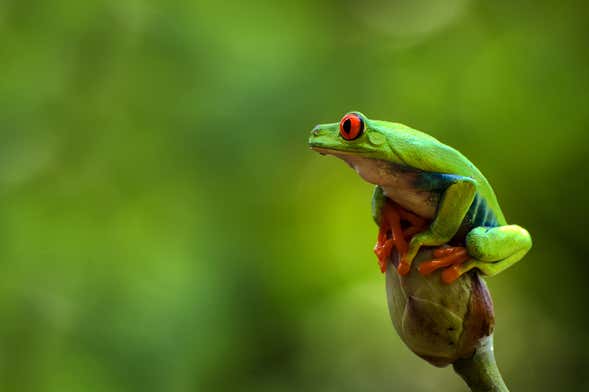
(314, 138)
(323, 136)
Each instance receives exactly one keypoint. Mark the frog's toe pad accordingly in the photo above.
(452, 273)
(403, 268)
(446, 256)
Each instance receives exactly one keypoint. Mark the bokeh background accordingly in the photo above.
(163, 226)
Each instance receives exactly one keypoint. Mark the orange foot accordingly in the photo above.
(391, 235)
(446, 256)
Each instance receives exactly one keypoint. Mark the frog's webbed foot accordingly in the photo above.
(397, 226)
(390, 235)
(446, 256)
(490, 250)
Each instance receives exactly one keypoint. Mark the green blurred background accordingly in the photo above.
(165, 228)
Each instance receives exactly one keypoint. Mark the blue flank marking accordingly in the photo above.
(479, 213)
(435, 182)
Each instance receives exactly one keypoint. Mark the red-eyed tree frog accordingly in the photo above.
(435, 188)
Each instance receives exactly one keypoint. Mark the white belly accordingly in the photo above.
(397, 184)
(422, 203)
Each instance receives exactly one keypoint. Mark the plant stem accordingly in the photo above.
(480, 372)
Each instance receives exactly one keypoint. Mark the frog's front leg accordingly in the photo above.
(396, 226)
(493, 249)
(387, 217)
(454, 205)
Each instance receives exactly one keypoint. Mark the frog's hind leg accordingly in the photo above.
(444, 256)
(493, 249)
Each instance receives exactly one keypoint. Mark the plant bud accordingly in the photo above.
(439, 322)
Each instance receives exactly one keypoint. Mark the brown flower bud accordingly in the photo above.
(440, 322)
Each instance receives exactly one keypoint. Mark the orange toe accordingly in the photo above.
(427, 267)
(383, 251)
(403, 268)
(459, 256)
(450, 274)
(447, 250)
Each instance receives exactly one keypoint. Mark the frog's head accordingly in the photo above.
(353, 135)
(362, 143)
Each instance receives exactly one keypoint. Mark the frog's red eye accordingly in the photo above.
(351, 126)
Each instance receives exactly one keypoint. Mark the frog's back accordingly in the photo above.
(424, 152)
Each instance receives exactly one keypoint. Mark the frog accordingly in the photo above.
(448, 201)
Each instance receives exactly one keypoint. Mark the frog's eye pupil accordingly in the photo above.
(351, 126)
(347, 126)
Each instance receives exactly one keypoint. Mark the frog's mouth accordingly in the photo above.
(373, 170)
(351, 157)
(336, 152)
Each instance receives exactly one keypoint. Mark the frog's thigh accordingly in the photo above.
(496, 248)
